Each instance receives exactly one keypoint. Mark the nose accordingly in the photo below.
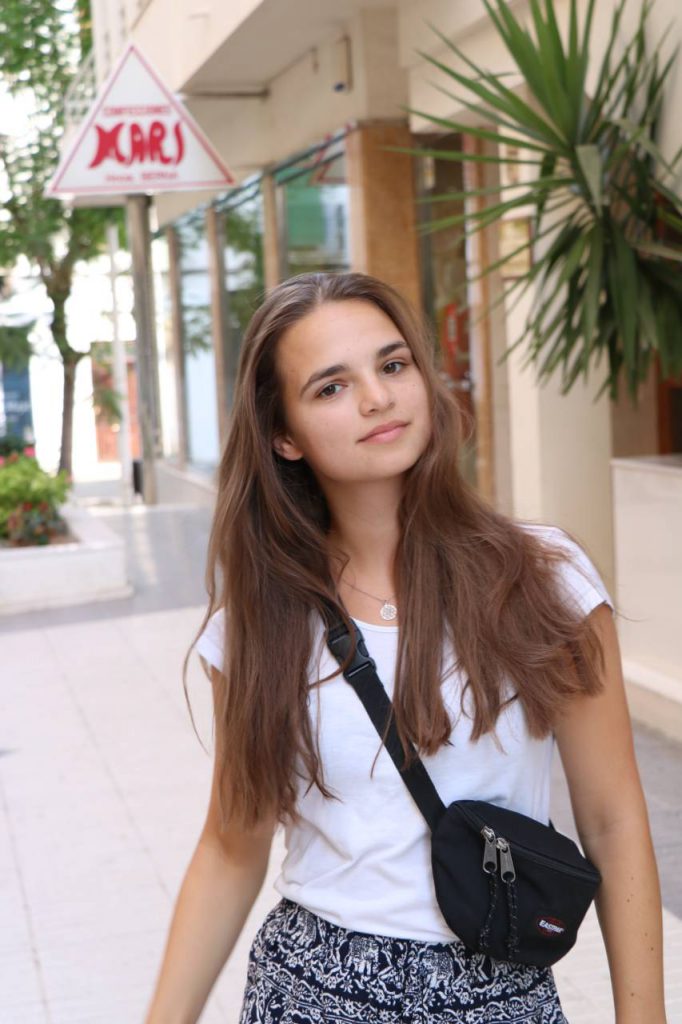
(375, 395)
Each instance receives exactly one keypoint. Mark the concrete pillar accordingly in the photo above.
(561, 444)
(560, 453)
(271, 246)
(383, 236)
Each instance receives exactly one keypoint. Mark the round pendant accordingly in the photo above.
(388, 611)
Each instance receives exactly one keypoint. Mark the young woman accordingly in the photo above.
(340, 483)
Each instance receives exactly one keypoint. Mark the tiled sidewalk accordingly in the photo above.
(103, 789)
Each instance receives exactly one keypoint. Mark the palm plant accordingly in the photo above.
(606, 210)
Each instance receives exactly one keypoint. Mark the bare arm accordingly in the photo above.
(220, 886)
(595, 742)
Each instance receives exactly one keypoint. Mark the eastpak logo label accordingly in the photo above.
(550, 926)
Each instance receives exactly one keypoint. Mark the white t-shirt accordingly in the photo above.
(364, 861)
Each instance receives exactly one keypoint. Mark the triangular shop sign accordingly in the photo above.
(137, 137)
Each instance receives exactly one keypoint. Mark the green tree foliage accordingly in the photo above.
(42, 44)
(15, 348)
(244, 235)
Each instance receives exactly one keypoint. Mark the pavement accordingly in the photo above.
(104, 786)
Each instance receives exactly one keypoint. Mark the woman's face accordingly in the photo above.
(355, 405)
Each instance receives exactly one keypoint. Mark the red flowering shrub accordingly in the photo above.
(29, 501)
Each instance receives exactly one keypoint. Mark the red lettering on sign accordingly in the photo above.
(157, 135)
(137, 152)
(107, 145)
(144, 146)
(179, 141)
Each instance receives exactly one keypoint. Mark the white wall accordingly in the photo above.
(649, 546)
(666, 19)
(181, 31)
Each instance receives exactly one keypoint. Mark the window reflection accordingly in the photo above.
(243, 261)
(164, 335)
(197, 346)
(312, 196)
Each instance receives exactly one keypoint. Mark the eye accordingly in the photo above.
(328, 391)
(395, 366)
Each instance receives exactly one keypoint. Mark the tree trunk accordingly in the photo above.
(70, 359)
(66, 453)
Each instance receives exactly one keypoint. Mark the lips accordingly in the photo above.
(385, 430)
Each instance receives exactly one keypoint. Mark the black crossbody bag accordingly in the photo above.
(507, 885)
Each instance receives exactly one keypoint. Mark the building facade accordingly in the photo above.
(310, 104)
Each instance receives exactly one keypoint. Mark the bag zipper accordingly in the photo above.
(556, 865)
(507, 869)
(539, 858)
(495, 847)
(489, 850)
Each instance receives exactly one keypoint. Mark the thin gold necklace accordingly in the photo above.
(388, 610)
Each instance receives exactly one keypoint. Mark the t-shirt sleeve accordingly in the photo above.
(578, 577)
(210, 643)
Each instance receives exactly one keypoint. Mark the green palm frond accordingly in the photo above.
(605, 272)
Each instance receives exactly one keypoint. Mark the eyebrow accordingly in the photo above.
(331, 371)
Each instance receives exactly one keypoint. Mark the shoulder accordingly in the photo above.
(211, 642)
(577, 575)
(210, 645)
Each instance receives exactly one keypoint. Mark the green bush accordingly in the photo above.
(10, 443)
(25, 486)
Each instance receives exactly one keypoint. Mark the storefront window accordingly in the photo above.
(312, 202)
(164, 336)
(197, 344)
(242, 211)
(312, 211)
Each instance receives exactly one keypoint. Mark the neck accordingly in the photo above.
(365, 530)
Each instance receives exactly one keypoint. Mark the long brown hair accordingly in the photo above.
(463, 571)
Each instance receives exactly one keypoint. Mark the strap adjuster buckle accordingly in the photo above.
(341, 644)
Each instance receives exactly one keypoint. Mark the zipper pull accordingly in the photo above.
(507, 869)
(489, 850)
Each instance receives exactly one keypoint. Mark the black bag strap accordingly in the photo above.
(362, 676)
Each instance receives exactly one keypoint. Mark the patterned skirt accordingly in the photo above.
(305, 970)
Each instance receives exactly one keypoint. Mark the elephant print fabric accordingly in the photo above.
(305, 970)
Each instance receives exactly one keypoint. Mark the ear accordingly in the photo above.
(285, 447)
